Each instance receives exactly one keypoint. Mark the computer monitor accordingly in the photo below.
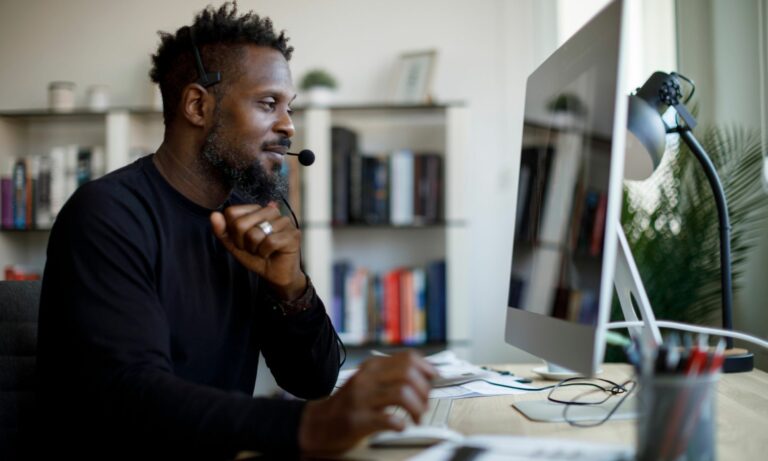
(569, 195)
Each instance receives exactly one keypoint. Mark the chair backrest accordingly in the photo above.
(19, 303)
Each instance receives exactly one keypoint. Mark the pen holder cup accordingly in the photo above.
(676, 418)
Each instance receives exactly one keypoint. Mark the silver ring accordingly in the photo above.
(266, 227)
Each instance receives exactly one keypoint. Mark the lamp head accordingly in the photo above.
(645, 123)
(646, 107)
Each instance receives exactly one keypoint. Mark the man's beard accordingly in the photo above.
(248, 178)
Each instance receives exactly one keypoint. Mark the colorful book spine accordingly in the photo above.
(6, 188)
(436, 302)
(20, 194)
(401, 187)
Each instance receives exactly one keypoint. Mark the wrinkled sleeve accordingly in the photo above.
(99, 288)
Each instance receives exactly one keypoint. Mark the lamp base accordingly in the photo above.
(738, 360)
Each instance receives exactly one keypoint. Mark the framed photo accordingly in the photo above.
(413, 80)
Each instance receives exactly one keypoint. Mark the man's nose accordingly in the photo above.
(284, 125)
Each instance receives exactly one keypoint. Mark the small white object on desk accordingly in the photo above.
(506, 448)
(414, 436)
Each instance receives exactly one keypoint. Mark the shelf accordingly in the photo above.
(396, 347)
(82, 113)
(364, 226)
(382, 106)
(25, 231)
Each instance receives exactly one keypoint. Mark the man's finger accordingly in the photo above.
(382, 421)
(285, 242)
(219, 225)
(401, 396)
(235, 211)
(240, 226)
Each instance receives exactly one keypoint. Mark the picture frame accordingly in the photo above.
(414, 77)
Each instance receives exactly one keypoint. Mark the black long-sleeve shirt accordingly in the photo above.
(150, 331)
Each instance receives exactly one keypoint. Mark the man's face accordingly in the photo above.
(252, 126)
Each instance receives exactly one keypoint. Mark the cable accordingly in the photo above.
(690, 82)
(626, 392)
(694, 329)
(301, 265)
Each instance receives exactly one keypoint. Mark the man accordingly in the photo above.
(166, 278)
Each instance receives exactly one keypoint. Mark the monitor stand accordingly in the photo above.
(631, 293)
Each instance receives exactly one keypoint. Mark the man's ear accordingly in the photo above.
(197, 104)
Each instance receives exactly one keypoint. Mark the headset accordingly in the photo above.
(306, 156)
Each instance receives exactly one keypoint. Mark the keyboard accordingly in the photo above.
(432, 428)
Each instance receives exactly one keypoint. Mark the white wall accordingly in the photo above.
(720, 49)
(487, 48)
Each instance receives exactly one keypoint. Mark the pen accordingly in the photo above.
(697, 358)
(673, 354)
(717, 357)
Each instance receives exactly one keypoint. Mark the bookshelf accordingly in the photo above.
(121, 134)
(126, 133)
(382, 129)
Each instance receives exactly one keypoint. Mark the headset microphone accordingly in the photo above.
(306, 157)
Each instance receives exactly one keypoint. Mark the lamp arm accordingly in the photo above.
(725, 225)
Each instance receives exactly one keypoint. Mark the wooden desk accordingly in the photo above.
(742, 415)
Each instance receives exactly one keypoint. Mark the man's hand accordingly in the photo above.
(274, 255)
(336, 424)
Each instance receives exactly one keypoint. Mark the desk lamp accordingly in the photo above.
(646, 107)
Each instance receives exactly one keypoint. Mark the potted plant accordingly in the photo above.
(670, 220)
(318, 86)
(566, 109)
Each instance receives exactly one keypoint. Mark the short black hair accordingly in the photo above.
(219, 35)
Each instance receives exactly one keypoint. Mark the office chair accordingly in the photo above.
(19, 302)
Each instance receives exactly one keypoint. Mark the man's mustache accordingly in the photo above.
(283, 142)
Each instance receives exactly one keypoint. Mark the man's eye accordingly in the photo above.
(268, 103)
(290, 111)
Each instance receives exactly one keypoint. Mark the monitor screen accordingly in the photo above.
(569, 189)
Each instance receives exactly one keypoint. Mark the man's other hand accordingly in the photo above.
(358, 409)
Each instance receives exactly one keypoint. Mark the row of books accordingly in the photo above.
(568, 303)
(400, 187)
(17, 272)
(587, 226)
(402, 306)
(33, 189)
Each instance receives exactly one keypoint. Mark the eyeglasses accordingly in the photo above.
(595, 392)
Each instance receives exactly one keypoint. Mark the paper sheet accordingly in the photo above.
(451, 367)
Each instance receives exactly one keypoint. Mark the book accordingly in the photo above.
(392, 309)
(355, 309)
(598, 229)
(6, 189)
(427, 196)
(20, 194)
(19, 272)
(375, 189)
(401, 187)
(436, 301)
(407, 307)
(343, 148)
(536, 162)
(338, 301)
(58, 179)
(419, 295)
